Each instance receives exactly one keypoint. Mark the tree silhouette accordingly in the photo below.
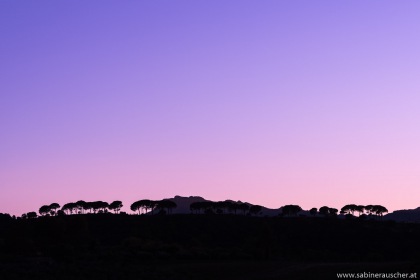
(96, 206)
(69, 208)
(6, 217)
(379, 210)
(291, 210)
(324, 210)
(136, 206)
(147, 204)
(166, 204)
(102, 206)
(53, 208)
(66, 208)
(345, 210)
(360, 209)
(89, 207)
(116, 206)
(313, 211)
(99, 206)
(349, 209)
(151, 205)
(332, 211)
(81, 206)
(368, 209)
(31, 215)
(44, 210)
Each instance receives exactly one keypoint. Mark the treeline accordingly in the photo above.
(79, 207)
(99, 207)
(166, 206)
(350, 209)
(146, 205)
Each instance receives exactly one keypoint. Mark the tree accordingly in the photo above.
(116, 206)
(379, 210)
(324, 210)
(69, 207)
(333, 211)
(327, 211)
(6, 217)
(313, 211)
(147, 204)
(345, 210)
(136, 206)
(99, 206)
(53, 208)
(66, 208)
(88, 207)
(349, 209)
(31, 215)
(360, 209)
(81, 206)
(368, 209)
(44, 210)
(166, 204)
(291, 210)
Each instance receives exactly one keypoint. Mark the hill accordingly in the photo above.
(410, 216)
(183, 205)
(118, 246)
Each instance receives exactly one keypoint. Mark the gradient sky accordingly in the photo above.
(271, 102)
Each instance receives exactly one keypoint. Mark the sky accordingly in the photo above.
(270, 102)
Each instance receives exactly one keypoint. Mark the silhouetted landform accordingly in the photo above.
(199, 205)
(202, 206)
(409, 216)
(194, 238)
(105, 245)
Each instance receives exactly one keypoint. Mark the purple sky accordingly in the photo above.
(271, 102)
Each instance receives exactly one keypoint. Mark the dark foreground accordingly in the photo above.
(203, 247)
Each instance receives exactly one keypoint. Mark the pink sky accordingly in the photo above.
(273, 102)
